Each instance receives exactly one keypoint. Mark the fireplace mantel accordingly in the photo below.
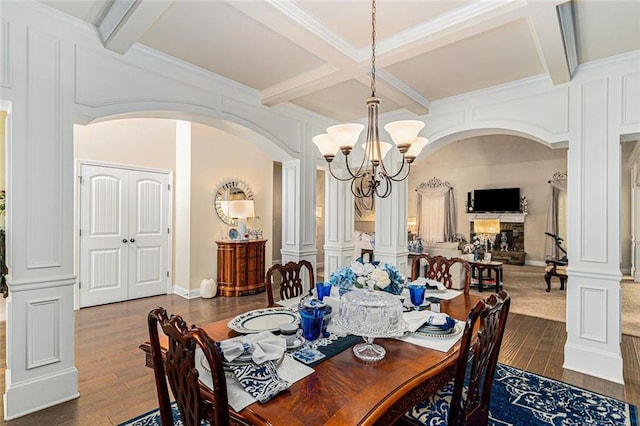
(503, 217)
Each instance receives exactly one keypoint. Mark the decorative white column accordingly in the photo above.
(40, 317)
(593, 291)
(391, 226)
(299, 204)
(338, 222)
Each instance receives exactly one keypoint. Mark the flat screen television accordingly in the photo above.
(496, 200)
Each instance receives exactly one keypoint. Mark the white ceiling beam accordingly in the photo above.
(308, 33)
(553, 32)
(127, 20)
(304, 84)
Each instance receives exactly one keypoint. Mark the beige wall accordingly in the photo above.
(145, 142)
(218, 156)
(495, 162)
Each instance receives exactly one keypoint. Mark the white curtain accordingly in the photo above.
(436, 212)
(556, 216)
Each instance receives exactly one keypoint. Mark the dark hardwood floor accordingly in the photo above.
(115, 385)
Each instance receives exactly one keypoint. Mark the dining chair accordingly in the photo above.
(291, 277)
(465, 400)
(177, 365)
(441, 269)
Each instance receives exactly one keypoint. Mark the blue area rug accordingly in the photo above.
(520, 398)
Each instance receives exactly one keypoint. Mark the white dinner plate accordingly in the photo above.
(262, 320)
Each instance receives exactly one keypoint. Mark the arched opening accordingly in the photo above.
(196, 167)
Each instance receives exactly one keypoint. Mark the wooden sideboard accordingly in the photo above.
(240, 267)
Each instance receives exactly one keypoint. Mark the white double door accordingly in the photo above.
(124, 226)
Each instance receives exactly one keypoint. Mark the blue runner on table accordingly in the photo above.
(337, 346)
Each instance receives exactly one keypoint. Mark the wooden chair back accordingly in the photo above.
(477, 360)
(177, 365)
(439, 268)
(292, 278)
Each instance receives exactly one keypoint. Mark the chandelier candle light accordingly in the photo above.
(372, 178)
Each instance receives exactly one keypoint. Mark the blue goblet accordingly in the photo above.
(416, 292)
(323, 289)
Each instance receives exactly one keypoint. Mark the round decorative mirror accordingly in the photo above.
(233, 189)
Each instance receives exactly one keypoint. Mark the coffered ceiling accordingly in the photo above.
(316, 54)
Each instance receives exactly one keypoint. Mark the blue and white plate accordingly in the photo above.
(267, 319)
(453, 331)
(233, 234)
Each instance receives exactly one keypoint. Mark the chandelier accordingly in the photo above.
(372, 177)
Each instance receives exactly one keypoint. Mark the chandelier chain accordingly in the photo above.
(373, 49)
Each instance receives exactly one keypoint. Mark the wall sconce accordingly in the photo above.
(242, 209)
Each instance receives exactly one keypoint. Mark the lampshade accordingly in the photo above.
(241, 208)
(486, 226)
(404, 131)
(416, 147)
(345, 134)
(412, 221)
(326, 144)
(384, 148)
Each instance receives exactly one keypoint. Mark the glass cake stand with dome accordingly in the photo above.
(370, 313)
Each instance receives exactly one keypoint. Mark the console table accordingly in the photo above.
(240, 267)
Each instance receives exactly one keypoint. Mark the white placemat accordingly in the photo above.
(289, 370)
(447, 295)
(442, 344)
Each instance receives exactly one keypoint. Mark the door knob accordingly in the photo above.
(124, 240)
(133, 240)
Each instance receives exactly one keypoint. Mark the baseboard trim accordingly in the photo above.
(186, 293)
(587, 360)
(37, 394)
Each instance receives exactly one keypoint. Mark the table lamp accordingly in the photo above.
(487, 230)
(241, 209)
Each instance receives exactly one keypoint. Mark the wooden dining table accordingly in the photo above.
(347, 391)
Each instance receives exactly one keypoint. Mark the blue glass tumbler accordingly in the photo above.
(312, 319)
(416, 292)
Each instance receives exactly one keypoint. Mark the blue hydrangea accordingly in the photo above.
(345, 278)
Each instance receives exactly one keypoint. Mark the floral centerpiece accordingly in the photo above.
(383, 277)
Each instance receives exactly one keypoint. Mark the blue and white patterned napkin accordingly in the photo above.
(260, 381)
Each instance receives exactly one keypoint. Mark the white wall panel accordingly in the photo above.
(556, 121)
(44, 151)
(291, 203)
(630, 99)
(593, 309)
(43, 329)
(286, 134)
(6, 66)
(93, 89)
(594, 172)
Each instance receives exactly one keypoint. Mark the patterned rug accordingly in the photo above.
(518, 398)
